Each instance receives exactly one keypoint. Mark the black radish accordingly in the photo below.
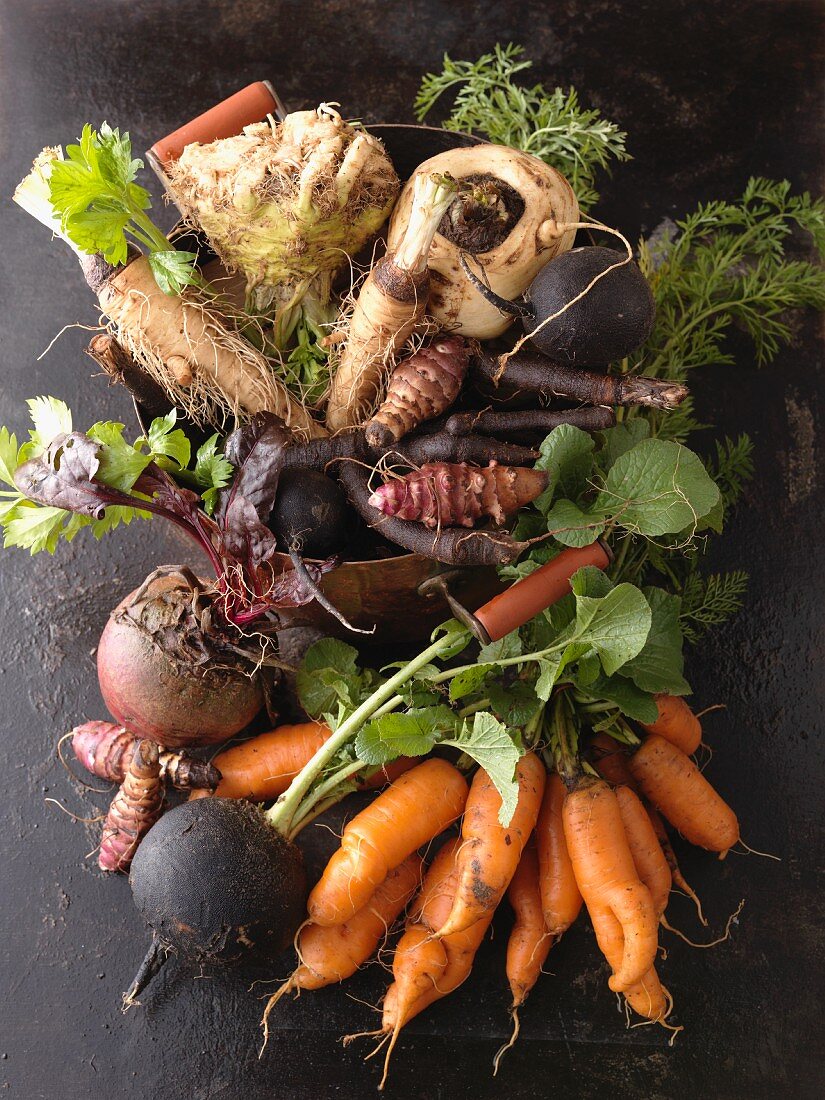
(310, 513)
(216, 883)
(587, 307)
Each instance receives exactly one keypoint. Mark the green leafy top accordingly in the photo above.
(614, 644)
(726, 265)
(648, 487)
(120, 464)
(551, 125)
(93, 191)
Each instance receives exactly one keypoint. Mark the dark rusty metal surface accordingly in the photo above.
(710, 93)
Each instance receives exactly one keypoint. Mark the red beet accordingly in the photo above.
(165, 675)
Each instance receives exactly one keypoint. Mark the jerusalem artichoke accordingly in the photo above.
(420, 388)
(134, 809)
(449, 494)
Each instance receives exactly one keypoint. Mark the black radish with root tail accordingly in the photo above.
(216, 883)
(220, 880)
(587, 307)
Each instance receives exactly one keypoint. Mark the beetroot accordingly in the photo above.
(165, 672)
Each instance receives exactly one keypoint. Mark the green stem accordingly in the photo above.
(321, 808)
(281, 815)
(449, 673)
(390, 705)
(322, 792)
(567, 760)
(473, 708)
(158, 241)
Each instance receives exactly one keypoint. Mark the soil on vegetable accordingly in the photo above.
(479, 227)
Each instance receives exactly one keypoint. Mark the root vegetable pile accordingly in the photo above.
(364, 410)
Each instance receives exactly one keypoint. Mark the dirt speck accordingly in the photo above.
(800, 462)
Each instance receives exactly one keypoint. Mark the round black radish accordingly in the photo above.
(608, 322)
(216, 883)
(310, 513)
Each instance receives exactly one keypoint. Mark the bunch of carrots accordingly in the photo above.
(587, 829)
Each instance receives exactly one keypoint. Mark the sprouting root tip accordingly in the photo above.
(393, 1040)
(510, 1043)
(270, 1004)
(713, 943)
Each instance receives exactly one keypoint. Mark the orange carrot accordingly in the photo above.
(490, 853)
(420, 959)
(645, 996)
(679, 880)
(561, 900)
(332, 954)
(263, 767)
(676, 723)
(648, 857)
(675, 786)
(611, 761)
(329, 955)
(619, 904)
(419, 965)
(409, 813)
(529, 942)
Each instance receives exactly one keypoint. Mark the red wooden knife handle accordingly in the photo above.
(227, 118)
(531, 595)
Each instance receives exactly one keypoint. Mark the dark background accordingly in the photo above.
(710, 93)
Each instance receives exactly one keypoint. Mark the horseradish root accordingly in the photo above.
(390, 307)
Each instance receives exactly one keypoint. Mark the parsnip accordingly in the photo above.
(511, 264)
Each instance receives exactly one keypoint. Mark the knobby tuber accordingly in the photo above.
(134, 809)
(447, 494)
(534, 372)
(105, 749)
(450, 545)
(529, 420)
(420, 388)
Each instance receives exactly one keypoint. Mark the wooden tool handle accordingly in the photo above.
(527, 597)
(227, 118)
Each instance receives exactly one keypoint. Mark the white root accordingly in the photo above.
(511, 265)
(167, 334)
